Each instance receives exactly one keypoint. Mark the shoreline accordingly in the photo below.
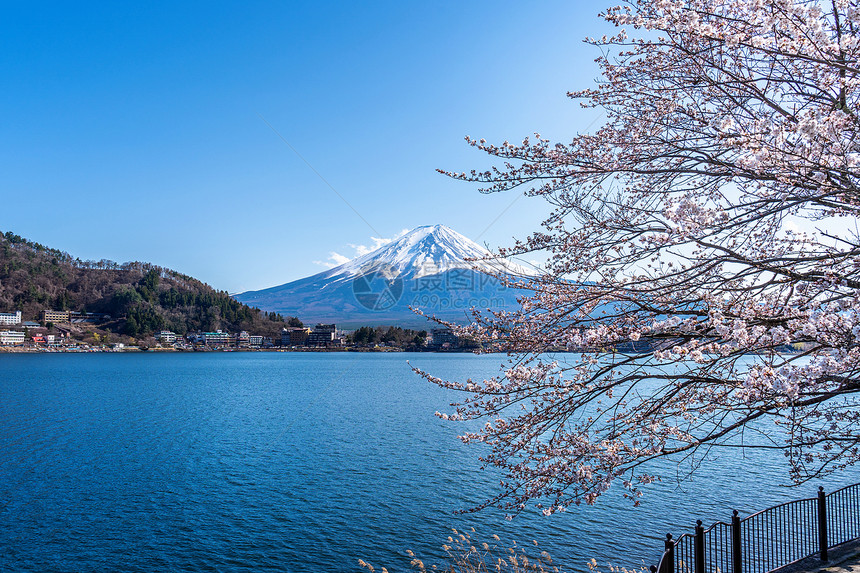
(133, 350)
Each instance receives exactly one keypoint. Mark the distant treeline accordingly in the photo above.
(391, 335)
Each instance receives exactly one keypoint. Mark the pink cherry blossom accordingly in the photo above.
(669, 241)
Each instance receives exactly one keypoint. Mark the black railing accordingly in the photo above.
(769, 539)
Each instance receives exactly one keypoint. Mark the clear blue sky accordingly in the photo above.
(133, 131)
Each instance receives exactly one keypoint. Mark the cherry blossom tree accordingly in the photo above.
(702, 245)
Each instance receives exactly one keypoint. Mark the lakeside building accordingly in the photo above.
(323, 335)
(49, 340)
(56, 316)
(218, 338)
(88, 317)
(166, 336)
(294, 336)
(255, 341)
(73, 316)
(11, 337)
(10, 318)
(443, 338)
(30, 324)
(243, 340)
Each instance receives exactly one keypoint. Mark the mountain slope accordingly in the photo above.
(140, 297)
(427, 269)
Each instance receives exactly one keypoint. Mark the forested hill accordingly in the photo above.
(140, 297)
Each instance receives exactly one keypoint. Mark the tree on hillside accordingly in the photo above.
(708, 224)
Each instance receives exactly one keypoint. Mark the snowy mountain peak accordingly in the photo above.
(430, 250)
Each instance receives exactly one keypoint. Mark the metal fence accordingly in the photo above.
(769, 539)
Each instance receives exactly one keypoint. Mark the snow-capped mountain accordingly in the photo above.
(433, 268)
(430, 250)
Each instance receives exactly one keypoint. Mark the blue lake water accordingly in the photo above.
(290, 462)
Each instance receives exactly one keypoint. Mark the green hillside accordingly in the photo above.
(141, 298)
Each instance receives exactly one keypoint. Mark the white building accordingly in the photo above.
(11, 337)
(166, 336)
(218, 338)
(10, 318)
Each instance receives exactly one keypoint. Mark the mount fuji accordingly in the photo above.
(431, 268)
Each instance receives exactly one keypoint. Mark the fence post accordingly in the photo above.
(670, 554)
(822, 523)
(699, 548)
(737, 563)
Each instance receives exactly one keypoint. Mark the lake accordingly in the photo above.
(291, 462)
